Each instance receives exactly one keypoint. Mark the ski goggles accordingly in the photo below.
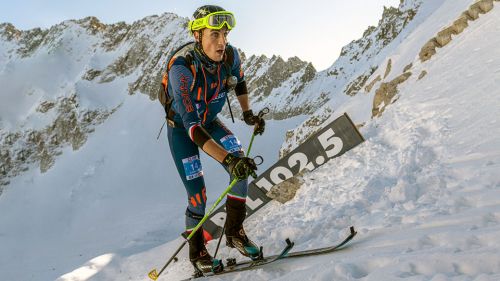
(215, 20)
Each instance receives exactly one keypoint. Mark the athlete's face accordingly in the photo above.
(213, 42)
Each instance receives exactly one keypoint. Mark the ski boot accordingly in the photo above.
(235, 234)
(200, 258)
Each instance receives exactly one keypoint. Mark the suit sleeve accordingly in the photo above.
(181, 79)
(236, 70)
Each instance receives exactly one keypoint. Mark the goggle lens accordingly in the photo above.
(218, 21)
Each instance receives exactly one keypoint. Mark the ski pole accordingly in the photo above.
(222, 234)
(220, 239)
(153, 274)
(261, 113)
(224, 228)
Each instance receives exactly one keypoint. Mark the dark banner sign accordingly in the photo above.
(333, 140)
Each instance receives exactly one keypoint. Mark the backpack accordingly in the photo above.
(186, 51)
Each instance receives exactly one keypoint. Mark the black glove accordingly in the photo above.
(240, 167)
(258, 121)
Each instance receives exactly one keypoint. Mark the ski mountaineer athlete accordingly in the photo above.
(195, 125)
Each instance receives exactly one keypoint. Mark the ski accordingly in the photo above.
(324, 250)
(232, 266)
(317, 251)
(285, 254)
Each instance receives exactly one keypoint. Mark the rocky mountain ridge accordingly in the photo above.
(89, 56)
(379, 79)
(131, 56)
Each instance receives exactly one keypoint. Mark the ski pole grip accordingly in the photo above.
(264, 111)
(258, 160)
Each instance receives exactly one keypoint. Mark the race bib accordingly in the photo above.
(192, 167)
(231, 143)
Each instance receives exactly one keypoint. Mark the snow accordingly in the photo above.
(423, 191)
(53, 70)
(97, 200)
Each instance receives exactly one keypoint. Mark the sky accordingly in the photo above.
(313, 30)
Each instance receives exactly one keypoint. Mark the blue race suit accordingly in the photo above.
(198, 105)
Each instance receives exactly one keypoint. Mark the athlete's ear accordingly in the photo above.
(196, 35)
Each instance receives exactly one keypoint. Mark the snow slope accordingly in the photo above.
(423, 190)
(93, 201)
(432, 17)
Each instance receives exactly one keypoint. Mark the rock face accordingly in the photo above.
(135, 54)
(444, 36)
(355, 66)
(71, 126)
(276, 83)
(357, 84)
(100, 54)
(286, 190)
(386, 92)
(383, 73)
(353, 72)
(393, 21)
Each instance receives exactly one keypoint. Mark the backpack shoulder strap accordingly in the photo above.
(229, 60)
(184, 51)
